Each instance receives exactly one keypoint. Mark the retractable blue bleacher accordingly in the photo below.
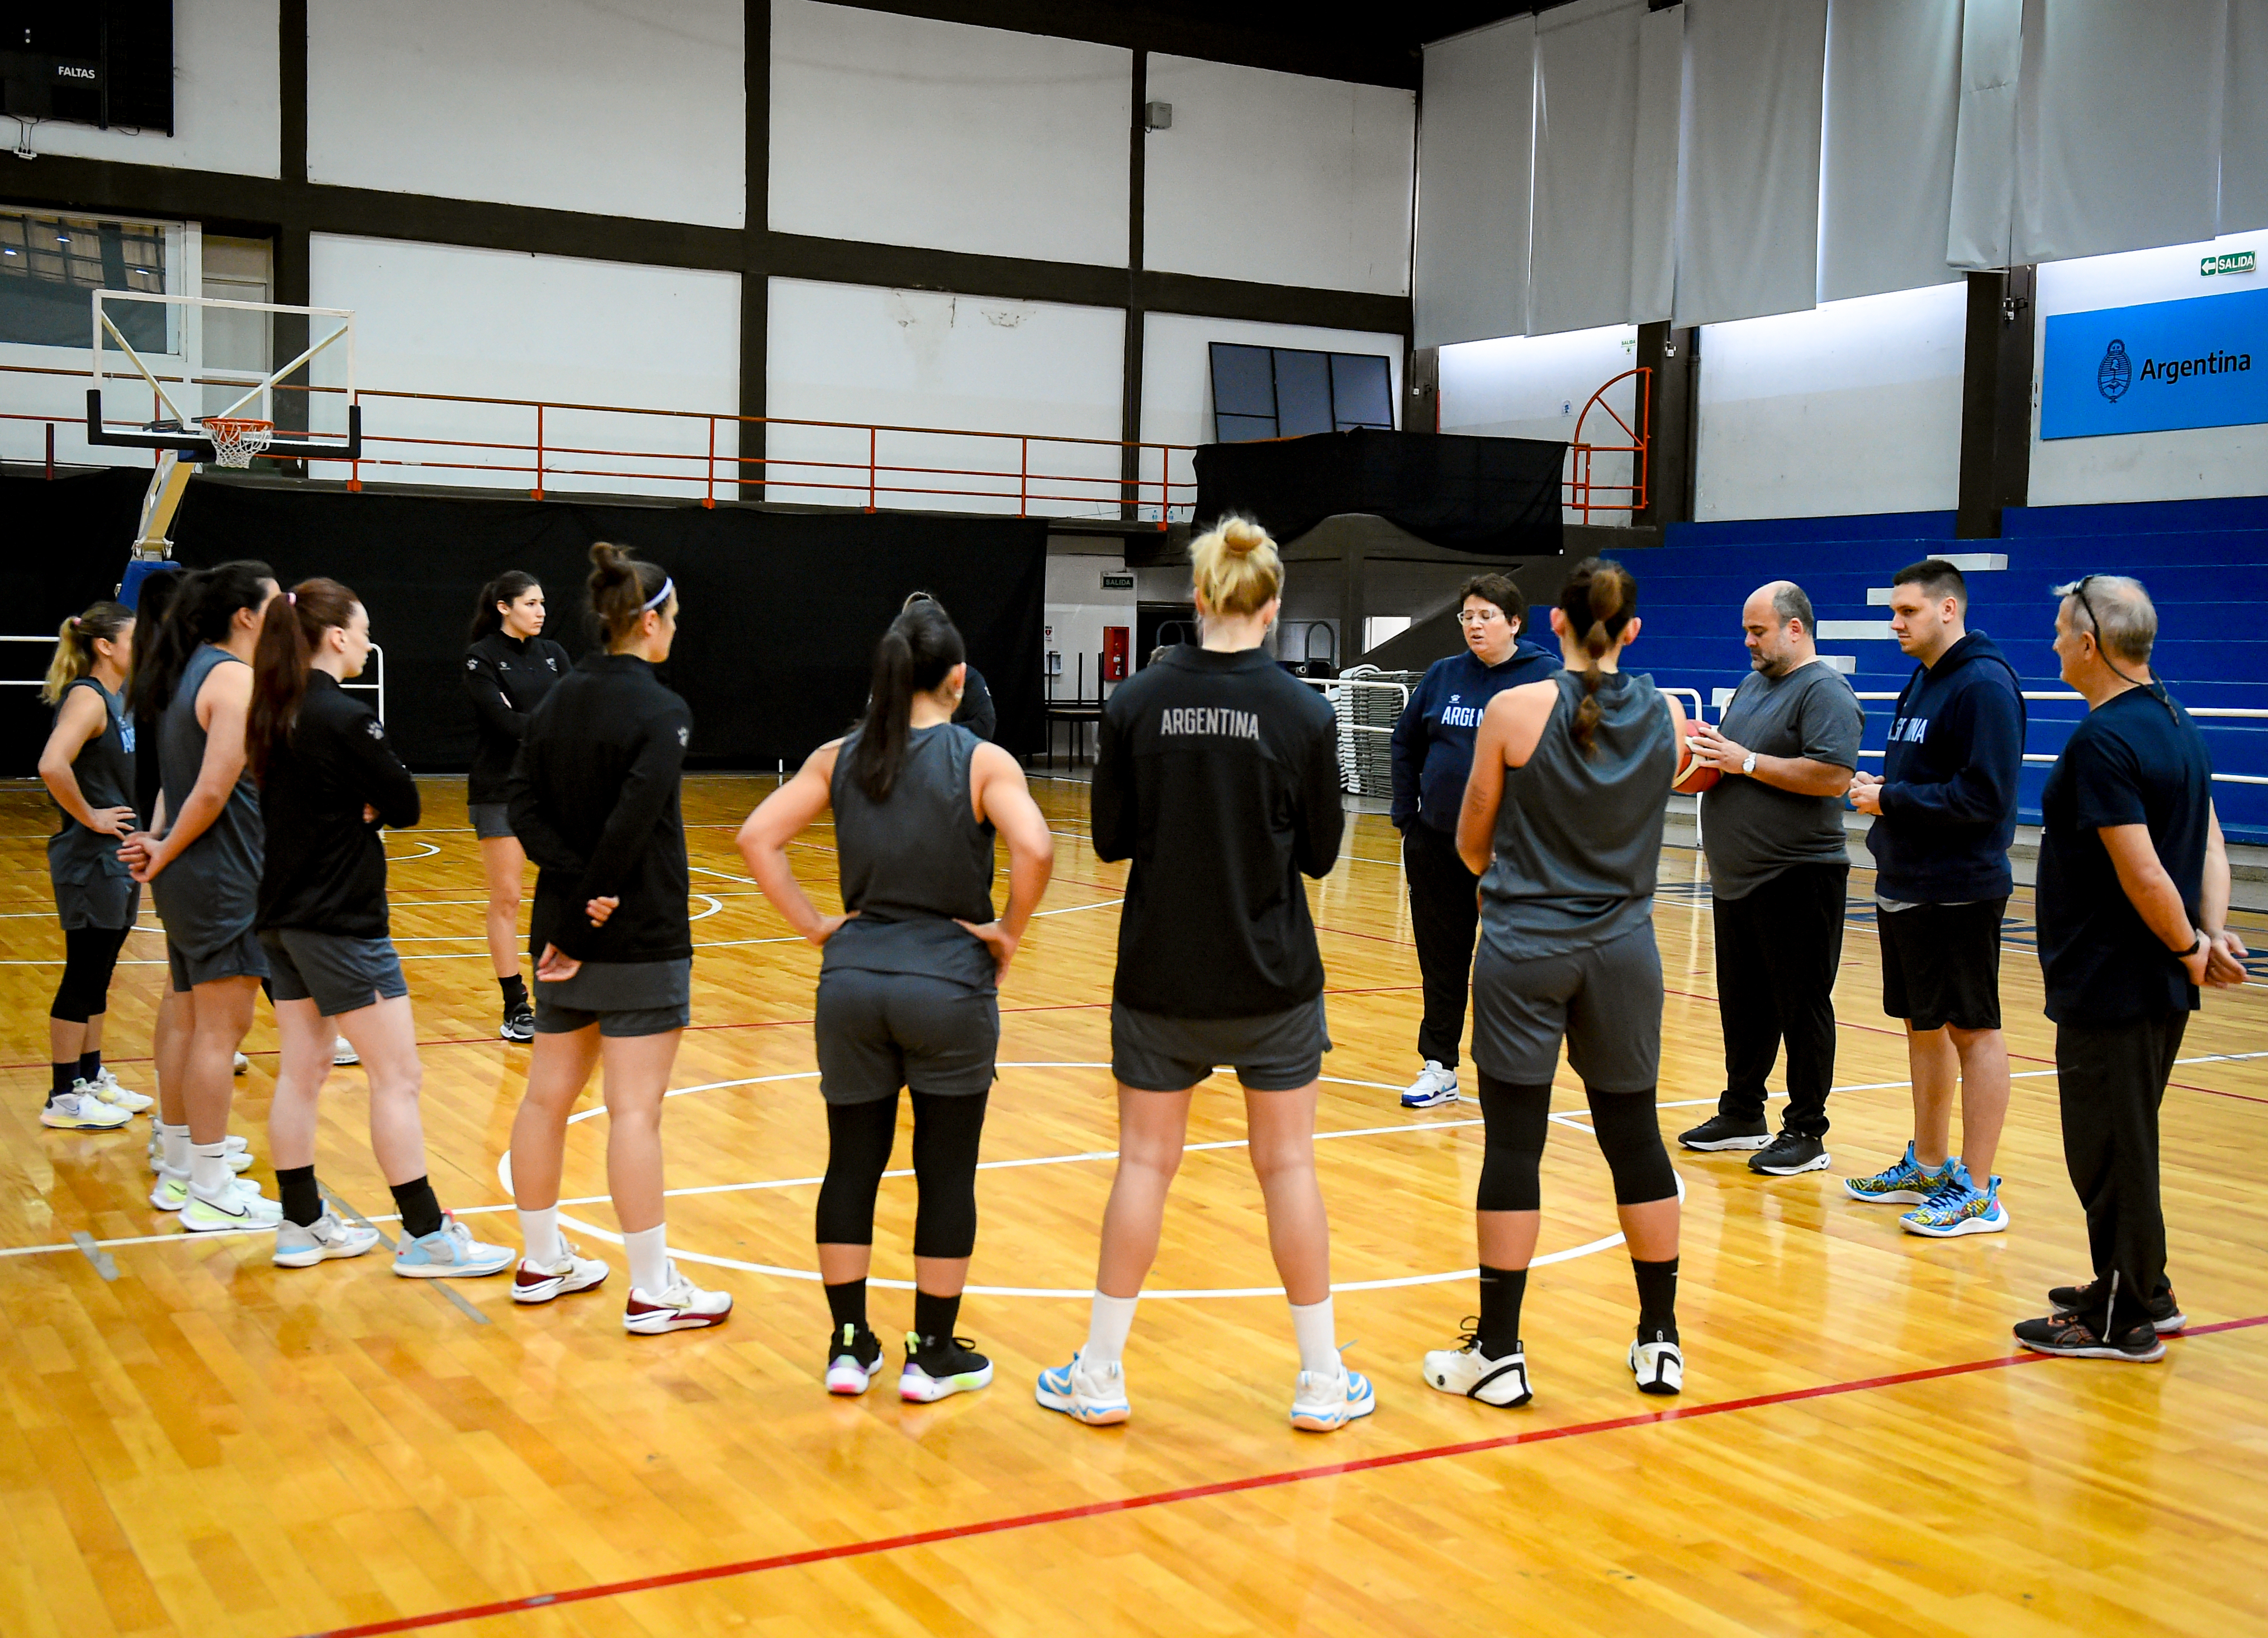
(2205, 563)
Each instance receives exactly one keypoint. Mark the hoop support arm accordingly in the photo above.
(188, 442)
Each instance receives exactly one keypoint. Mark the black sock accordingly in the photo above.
(1657, 1300)
(90, 1065)
(303, 1200)
(846, 1304)
(515, 991)
(65, 1074)
(1501, 1290)
(934, 1318)
(420, 1213)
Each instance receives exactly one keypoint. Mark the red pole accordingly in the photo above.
(1024, 479)
(711, 500)
(537, 492)
(870, 469)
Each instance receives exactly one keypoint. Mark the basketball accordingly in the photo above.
(1694, 775)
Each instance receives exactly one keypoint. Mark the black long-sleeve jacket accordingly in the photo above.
(1218, 774)
(507, 678)
(976, 712)
(325, 865)
(594, 801)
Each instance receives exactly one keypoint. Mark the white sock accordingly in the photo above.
(649, 1250)
(174, 1147)
(1319, 1343)
(538, 1232)
(209, 1172)
(1106, 1329)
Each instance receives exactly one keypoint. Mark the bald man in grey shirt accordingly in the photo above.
(1778, 871)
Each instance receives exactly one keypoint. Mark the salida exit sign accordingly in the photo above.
(2227, 262)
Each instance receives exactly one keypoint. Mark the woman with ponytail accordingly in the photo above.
(1217, 774)
(594, 796)
(909, 986)
(510, 667)
(328, 781)
(88, 768)
(1567, 853)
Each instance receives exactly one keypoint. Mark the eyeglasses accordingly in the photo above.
(1478, 616)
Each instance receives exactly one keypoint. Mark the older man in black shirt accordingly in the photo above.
(2132, 897)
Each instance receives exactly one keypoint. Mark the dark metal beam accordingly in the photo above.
(1996, 401)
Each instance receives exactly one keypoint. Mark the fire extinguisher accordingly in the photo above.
(1117, 652)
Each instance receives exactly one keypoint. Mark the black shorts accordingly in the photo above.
(338, 973)
(1941, 964)
(623, 998)
(1275, 1052)
(878, 1032)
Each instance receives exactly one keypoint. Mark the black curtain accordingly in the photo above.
(62, 546)
(1498, 497)
(780, 610)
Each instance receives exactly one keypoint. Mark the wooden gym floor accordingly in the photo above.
(195, 1442)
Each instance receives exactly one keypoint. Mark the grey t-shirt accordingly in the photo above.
(1752, 831)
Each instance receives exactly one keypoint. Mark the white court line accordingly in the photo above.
(403, 858)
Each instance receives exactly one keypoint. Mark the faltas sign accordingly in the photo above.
(2170, 364)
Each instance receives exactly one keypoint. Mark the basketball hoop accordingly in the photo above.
(235, 440)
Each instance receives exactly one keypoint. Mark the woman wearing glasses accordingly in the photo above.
(1432, 755)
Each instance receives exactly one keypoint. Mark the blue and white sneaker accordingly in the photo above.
(1433, 1087)
(1904, 1182)
(1095, 1395)
(1958, 1207)
(1323, 1401)
(450, 1252)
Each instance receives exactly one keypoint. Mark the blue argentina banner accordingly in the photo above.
(2201, 363)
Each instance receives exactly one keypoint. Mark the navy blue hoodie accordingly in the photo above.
(1433, 741)
(1949, 779)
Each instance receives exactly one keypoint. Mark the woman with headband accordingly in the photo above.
(594, 800)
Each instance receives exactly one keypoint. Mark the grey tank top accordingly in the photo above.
(1578, 835)
(104, 768)
(913, 862)
(208, 895)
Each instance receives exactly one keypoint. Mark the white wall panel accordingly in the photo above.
(2184, 465)
(1536, 386)
(1281, 177)
(926, 358)
(441, 319)
(227, 101)
(1476, 153)
(630, 108)
(1852, 408)
(2244, 120)
(1886, 185)
(902, 130)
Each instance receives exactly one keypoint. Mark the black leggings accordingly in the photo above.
(90, 954)
(946, 1132)
(1517, 1119)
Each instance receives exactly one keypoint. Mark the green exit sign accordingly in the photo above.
(2227, 262)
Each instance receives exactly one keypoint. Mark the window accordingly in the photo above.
(1283, 392)
(51, 266)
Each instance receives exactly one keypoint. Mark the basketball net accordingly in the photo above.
(235, 440)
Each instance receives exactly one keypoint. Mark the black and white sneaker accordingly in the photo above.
(2073, 1338)
(1722, 1132)
(1657, 1364)
(854, 1359)
(1466, 1369)
(937, 1367)
(1789, 1154)
(2166, 1316)
(519, 1023)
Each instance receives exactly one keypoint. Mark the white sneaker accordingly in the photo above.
(79, 1110)
(1465, 1370)
(342, 1052)
(242, 1065)
(170, 1191)
(234, 1149)
(1324, 1400)
(1432, 1088)
(105, 1086)
(450, 1252)
(241, 1205)
(538, 1282)
(298, 1247)
(1094, 1394)
(1658, 1365)
(681, 1306)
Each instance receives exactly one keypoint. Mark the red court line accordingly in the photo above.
(1191, 1493)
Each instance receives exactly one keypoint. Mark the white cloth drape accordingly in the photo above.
(1893, 100)
(1475, 157)
(1982, 218)
(2244, 121)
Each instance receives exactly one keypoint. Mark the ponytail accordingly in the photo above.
(75, 641)
(1598, 600)
(294, 623)
(915, 656)
(203, 604)
(621, 589)
(508, 587)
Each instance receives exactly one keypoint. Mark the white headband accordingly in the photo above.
(660, 597)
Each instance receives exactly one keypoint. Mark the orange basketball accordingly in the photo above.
(1693, 775)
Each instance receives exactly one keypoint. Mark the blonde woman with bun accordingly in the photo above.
(1218, 776)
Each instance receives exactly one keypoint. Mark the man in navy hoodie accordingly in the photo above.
(1945, 801)
(1432, 755)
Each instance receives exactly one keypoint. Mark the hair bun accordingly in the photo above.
(1242, 536)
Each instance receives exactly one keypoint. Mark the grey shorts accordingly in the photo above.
(338, 973)
(241, 958)
(879, 1031)
(1275, 1052)
(623, 998)
(491, 820)
(1604, 1002)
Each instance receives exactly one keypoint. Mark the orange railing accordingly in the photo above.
(1586, 492)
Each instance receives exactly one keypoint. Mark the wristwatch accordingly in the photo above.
(1749, 763)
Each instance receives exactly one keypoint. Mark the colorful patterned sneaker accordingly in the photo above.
(1465, 1370)
(1906, 1183)
(1433, 1087)
(79, 1110)
(319, 1241)
(1323, 1401)
(854, 1359)
(450, 1252)
(238, 1151)
(2166, 1316)
(240, 1206)
(170, 1191)
(535, 1283)
(1722, 1132)
(1958, 1207)
(1788, 1155)
(1659, 1364)
(1094, 1394)
(938, 1367)
(680, 1305)
(105, 1086)
(2074, 1338)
